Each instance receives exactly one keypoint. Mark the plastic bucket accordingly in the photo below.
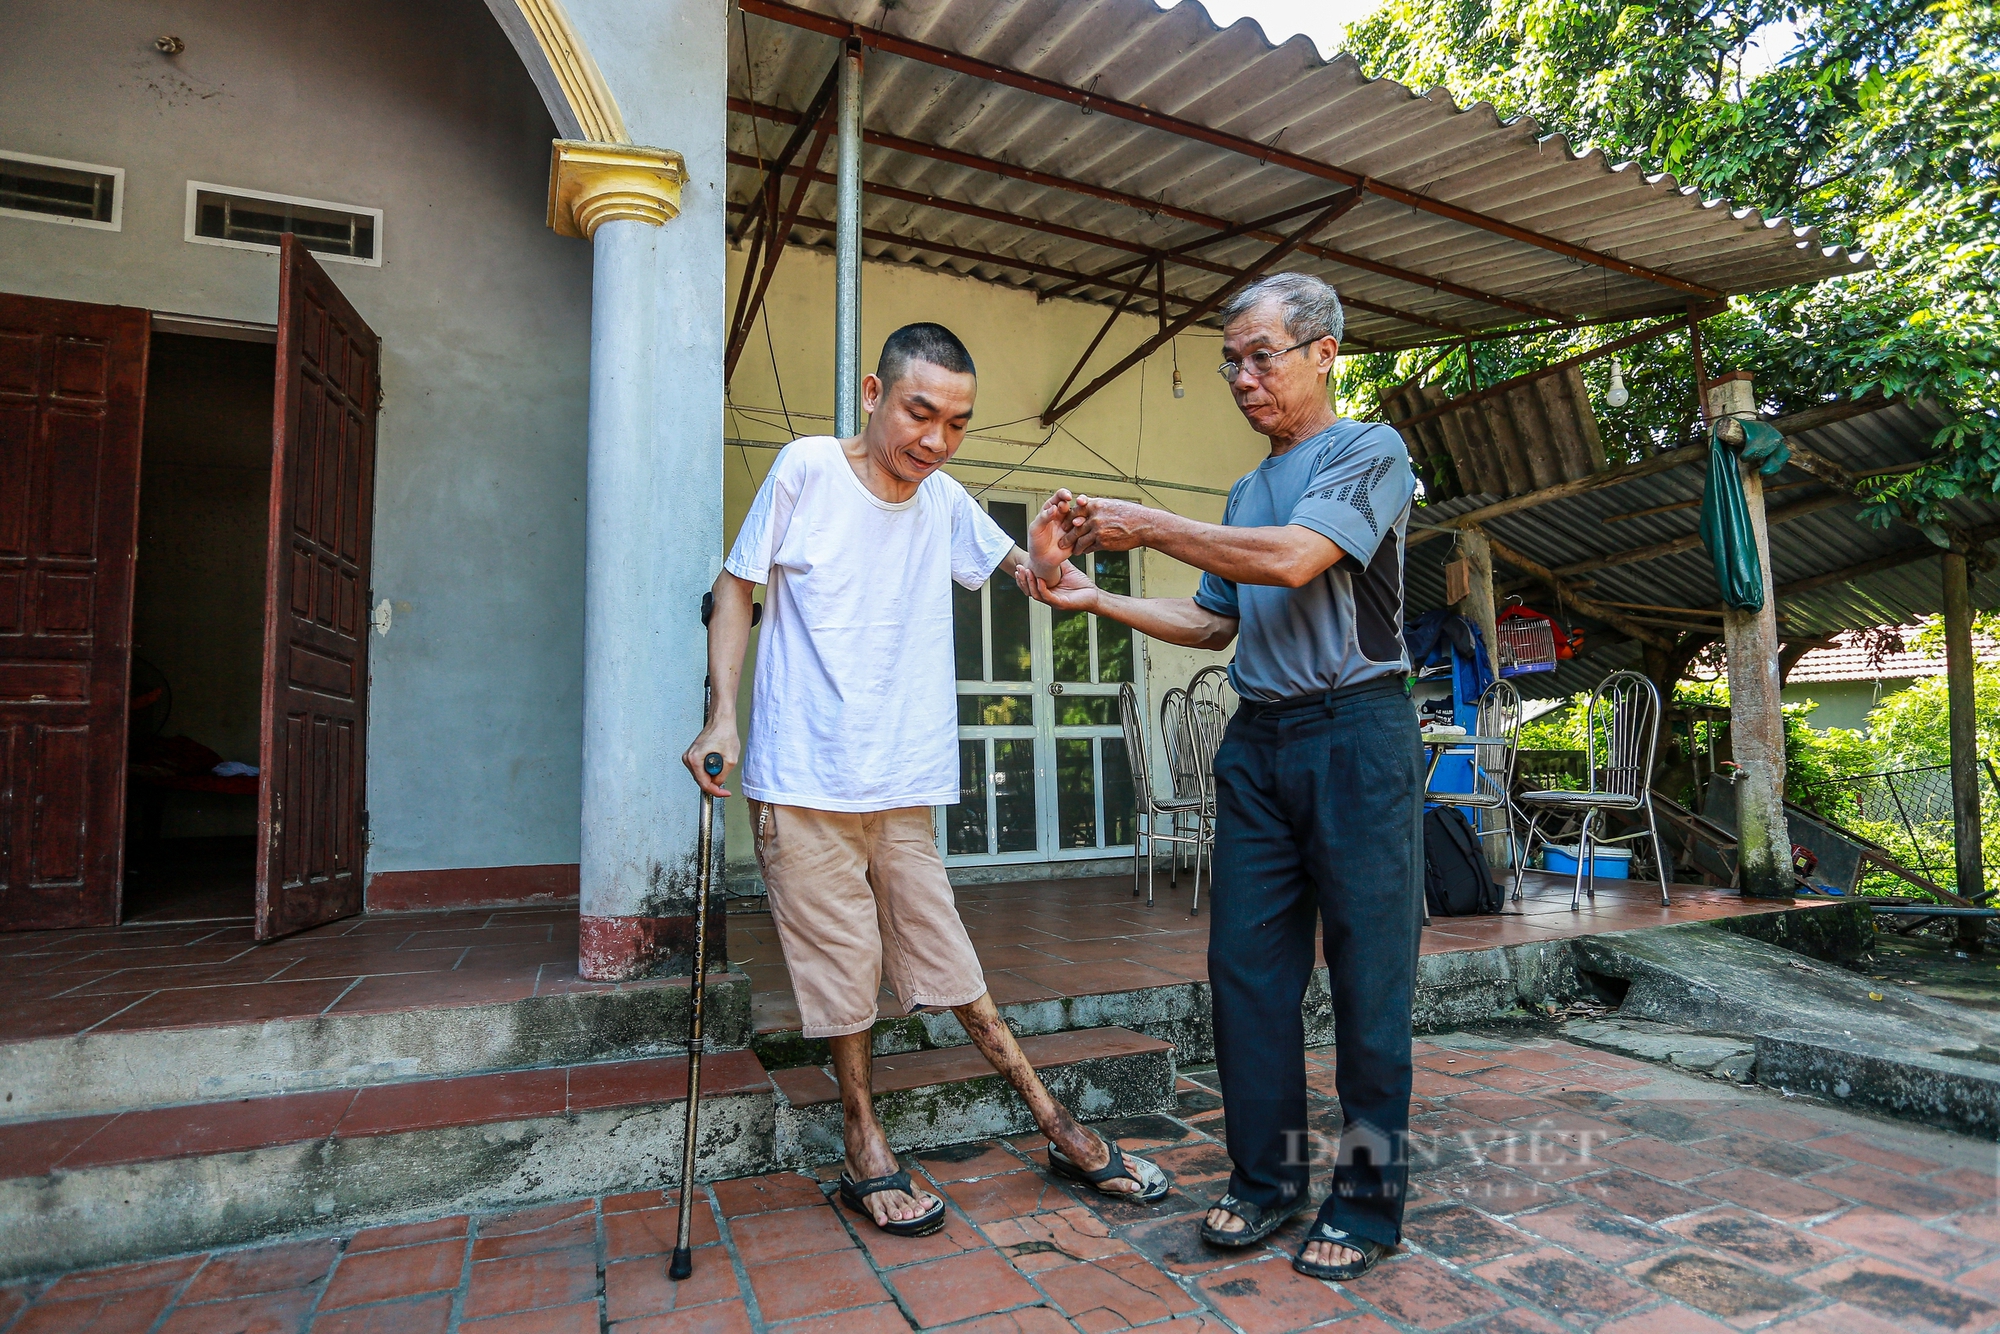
(1606, 863)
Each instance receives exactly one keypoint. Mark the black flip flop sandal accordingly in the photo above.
(1151, 1180)
(1370, 1252)
(854, 1194)
(1258, 1222)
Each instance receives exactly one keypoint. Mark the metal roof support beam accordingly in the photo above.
(773, 241)
(1057, 410)
(955, 157)
(927, 54)
(1123, 266)
(753, 263)
(1566, 592)
(977, 256)
(1144, 255)
(1084, 360)
(805, 121)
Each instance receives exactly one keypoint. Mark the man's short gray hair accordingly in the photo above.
(1311, 306)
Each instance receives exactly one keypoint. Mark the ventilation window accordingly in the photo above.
(51, 190)
(252, 220)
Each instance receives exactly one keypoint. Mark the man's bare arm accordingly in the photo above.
(728, 636)
(1180, 621)
(1287, 557)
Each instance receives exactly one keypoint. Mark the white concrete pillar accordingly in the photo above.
(653, 543)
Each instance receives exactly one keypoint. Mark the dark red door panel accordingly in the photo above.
(72, 409)
(316, 584)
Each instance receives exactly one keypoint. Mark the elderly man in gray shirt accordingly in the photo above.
(1319, 782)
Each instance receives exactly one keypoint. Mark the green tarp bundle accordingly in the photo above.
(1725, 514)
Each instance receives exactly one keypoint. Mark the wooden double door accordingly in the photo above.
(72, 414)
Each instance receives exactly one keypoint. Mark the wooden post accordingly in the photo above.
(1967, 842)
(1477, 605)
(1756, 714)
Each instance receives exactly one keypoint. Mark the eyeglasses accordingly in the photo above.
(1259, 361)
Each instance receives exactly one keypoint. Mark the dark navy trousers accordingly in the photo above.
(1319, 820)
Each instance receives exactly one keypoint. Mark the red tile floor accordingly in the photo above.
(1038, 940)
(1556, 1188)
(164, 976)
(1087, 937)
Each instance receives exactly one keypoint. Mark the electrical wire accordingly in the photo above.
(1022, 464)
(772, 348)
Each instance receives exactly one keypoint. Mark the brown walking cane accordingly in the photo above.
(683, 1262)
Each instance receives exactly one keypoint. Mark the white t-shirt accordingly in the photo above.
(855, 706)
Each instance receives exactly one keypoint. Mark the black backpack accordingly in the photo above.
(1457, 882)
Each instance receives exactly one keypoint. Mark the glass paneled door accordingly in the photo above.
(1043, 773)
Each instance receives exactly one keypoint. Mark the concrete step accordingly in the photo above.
(77, 1191)
(951, 1095)
(1952, 1089)
(214, 1052)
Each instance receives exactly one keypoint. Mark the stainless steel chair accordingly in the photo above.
(1183, 770)
(1492, 766)
(1622, 725)
(1211, 703)
(1150, 806)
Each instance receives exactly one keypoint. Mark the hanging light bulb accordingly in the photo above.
(1617, 397)
(1180, 390)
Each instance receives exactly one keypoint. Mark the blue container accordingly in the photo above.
(1453, 772)
(1606, 863)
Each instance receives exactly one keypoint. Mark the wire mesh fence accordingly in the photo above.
(1908, 812)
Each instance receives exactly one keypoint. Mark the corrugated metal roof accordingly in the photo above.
(1608, 521)
(1528, 434)
(1285, 97)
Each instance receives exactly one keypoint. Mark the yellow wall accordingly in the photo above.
(1023, 350)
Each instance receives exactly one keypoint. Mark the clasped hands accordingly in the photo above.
(1070, 525)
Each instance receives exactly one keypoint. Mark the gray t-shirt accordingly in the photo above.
(1352, 484)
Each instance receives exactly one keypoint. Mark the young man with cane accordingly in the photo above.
(1319, 781)
(854, 737)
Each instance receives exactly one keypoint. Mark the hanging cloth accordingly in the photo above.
(1444, 636)
(1725, 513)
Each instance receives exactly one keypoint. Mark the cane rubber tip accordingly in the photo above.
(711, 764)
(681, 1265)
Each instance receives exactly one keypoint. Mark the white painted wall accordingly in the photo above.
(424, 111)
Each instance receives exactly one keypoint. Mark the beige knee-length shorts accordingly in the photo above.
(855, 895)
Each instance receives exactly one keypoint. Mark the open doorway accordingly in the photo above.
(198, 630)
(249, 644)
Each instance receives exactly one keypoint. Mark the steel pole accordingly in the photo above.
(847, 250)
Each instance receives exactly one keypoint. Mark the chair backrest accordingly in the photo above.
(1135, 741)
(1211, 703)
(1500, 716)
(1182, 768)
(1625, 714)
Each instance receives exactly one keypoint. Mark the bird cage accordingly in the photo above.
(1525, 644)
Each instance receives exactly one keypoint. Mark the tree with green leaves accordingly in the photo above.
(1880, 127)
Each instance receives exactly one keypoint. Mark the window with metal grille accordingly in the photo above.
(51, 190)
(252, 220)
